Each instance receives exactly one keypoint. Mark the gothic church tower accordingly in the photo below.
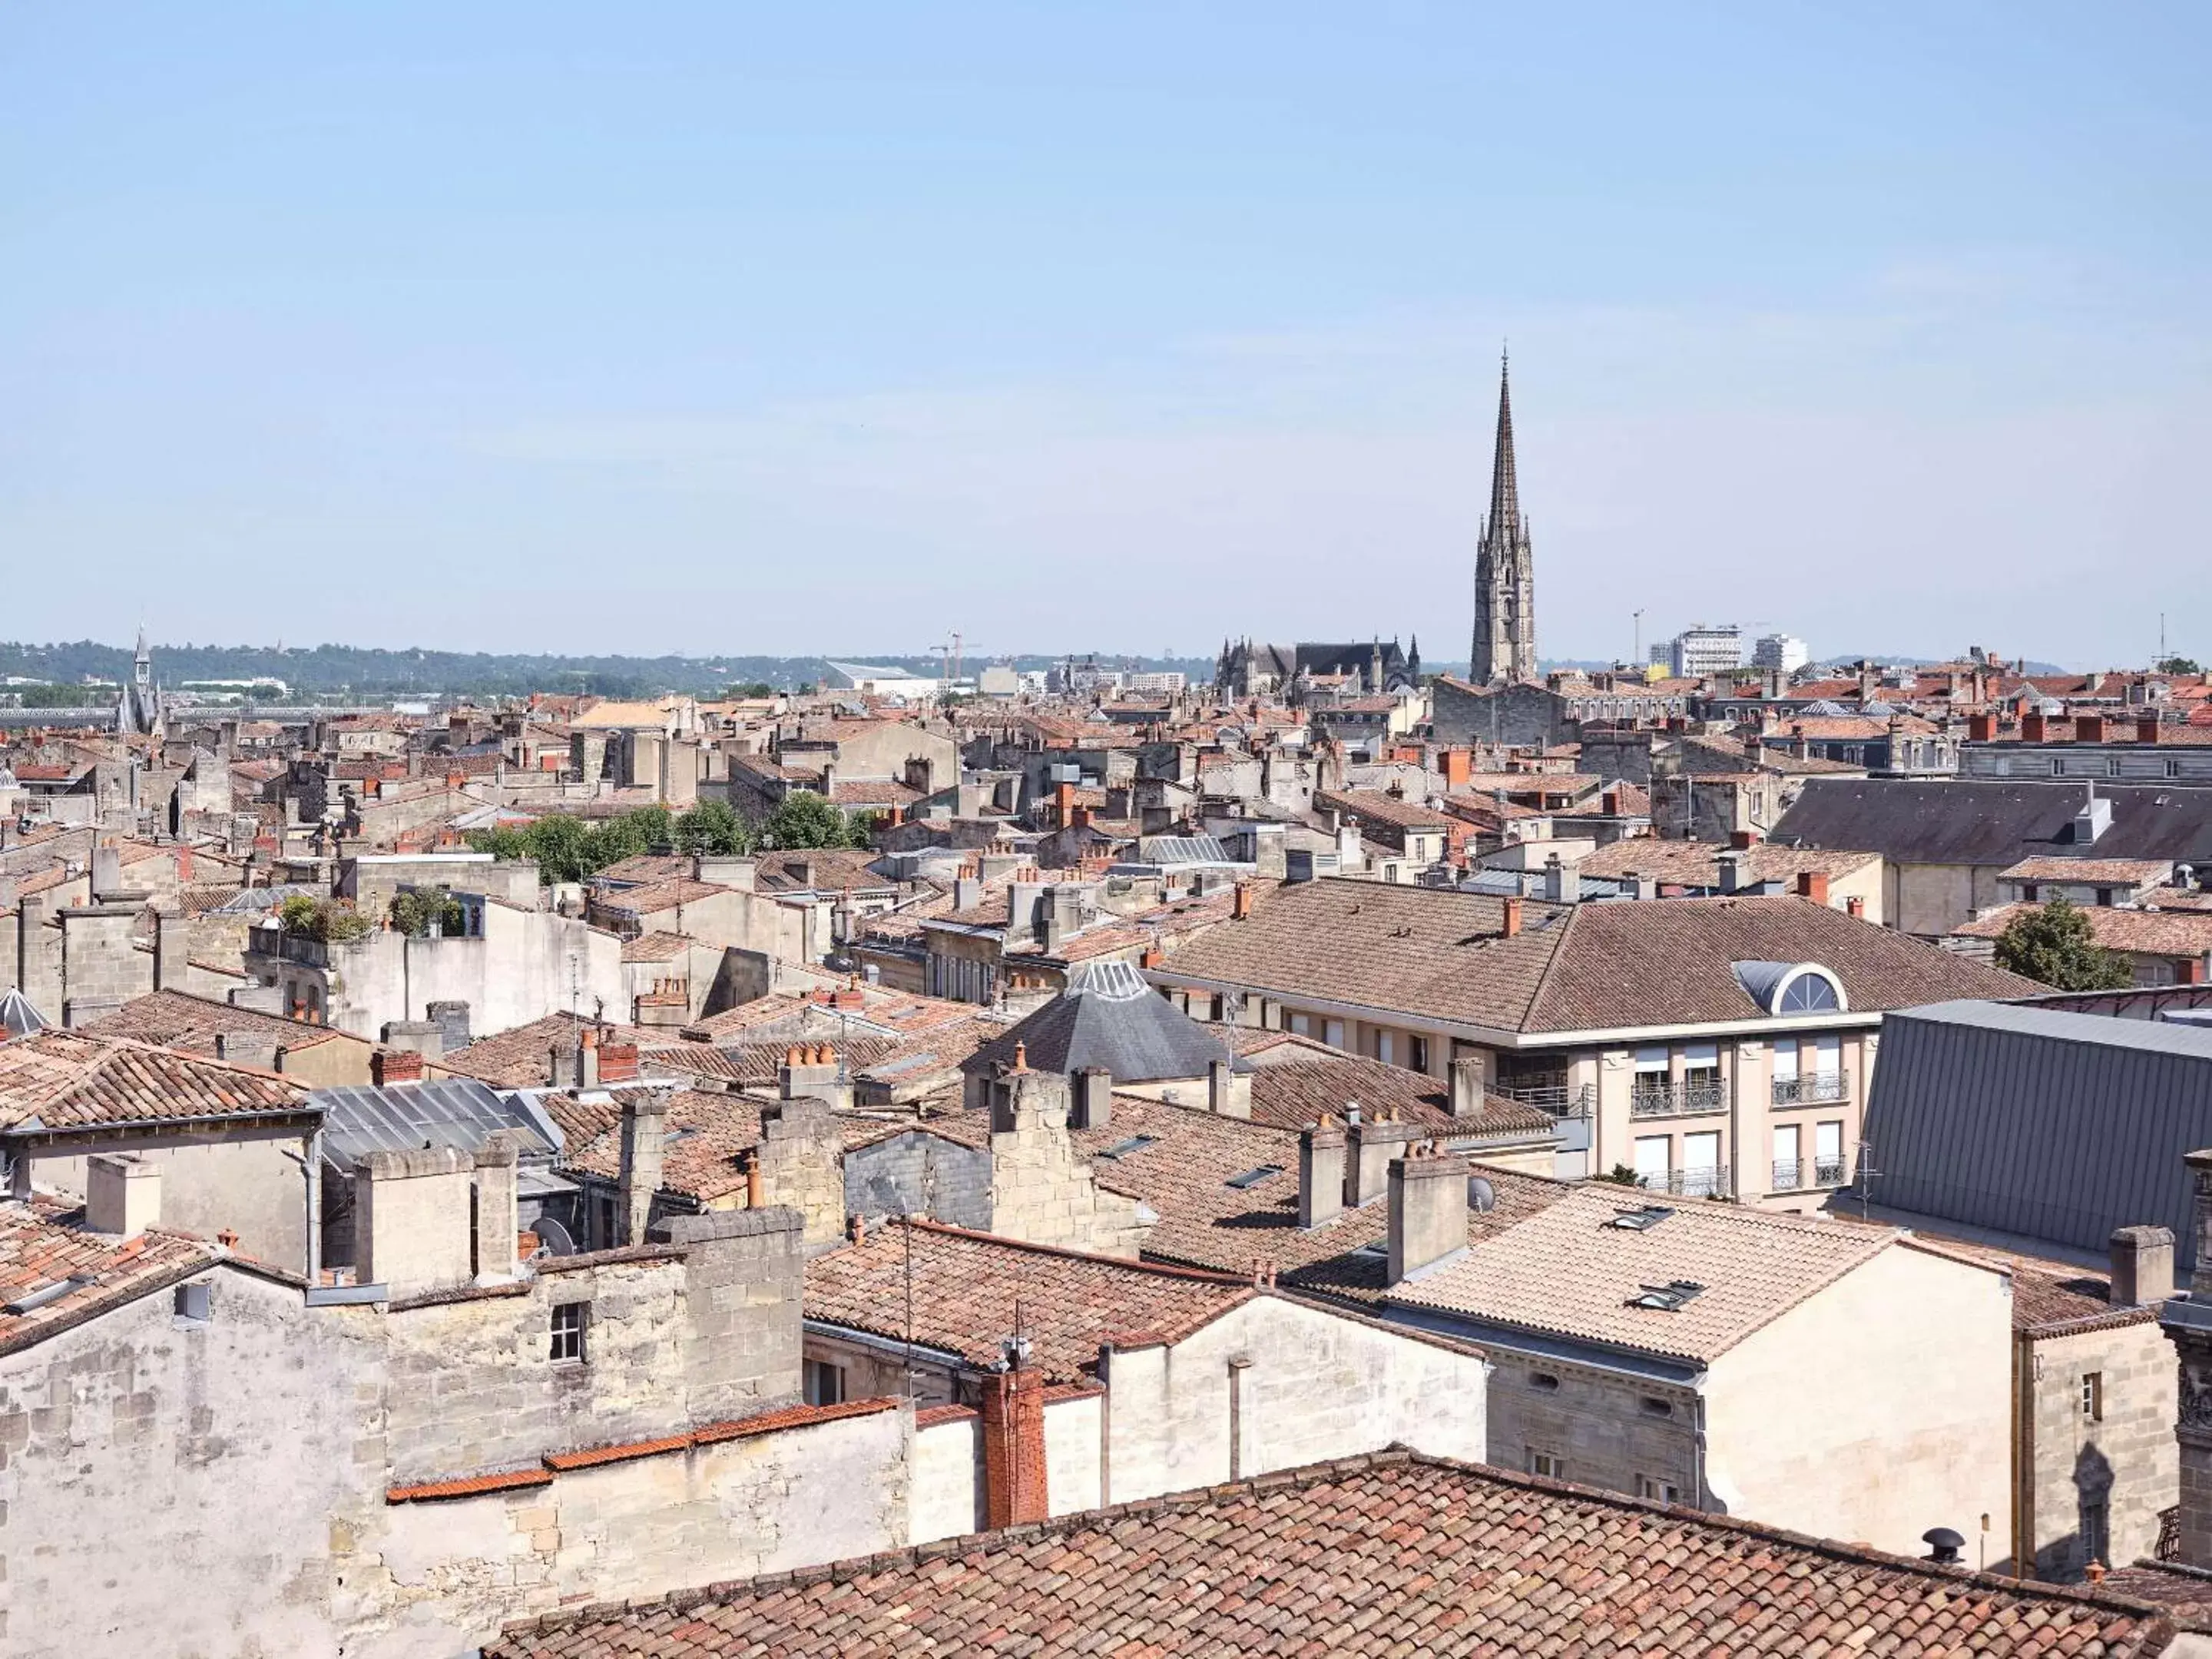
(1504, 570)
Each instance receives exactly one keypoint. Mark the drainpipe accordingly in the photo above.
(2022, 1449)
(314, 1172)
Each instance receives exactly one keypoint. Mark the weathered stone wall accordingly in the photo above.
(2126, 1460)
(439, 1577)
(1073, 1467)
(1312, 1385)
(253, 1187)
(917, 1173)
(102, 968)
(1597, 1421)
(801, 1153)
(172, 1489)
(1043, 1190)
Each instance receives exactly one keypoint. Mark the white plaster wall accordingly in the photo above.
(1877, 1409)
(946, 1484)
(1071, 1453)
(1318, 1385)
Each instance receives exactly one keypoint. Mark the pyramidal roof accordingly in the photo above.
(1109, 1016)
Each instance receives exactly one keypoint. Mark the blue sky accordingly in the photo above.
(723, 328)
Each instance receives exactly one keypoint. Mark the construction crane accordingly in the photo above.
(949, 663)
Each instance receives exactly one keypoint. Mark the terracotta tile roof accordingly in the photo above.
(39, 1248)
(823, 869)
(1443, 955)
(1296, 1079)
(1379, 806)
(644, 868)
(520, 1058)
(69, 1080)
(706, 1135)
(2152, 933)
(1183, 1173)
(967, 1286)
(656, 946)
(653, 898)
(872, 791)
(1390, 1554)
(2183, 1591)
(174, 1019)
(2118, 873)
(1696, 863)
(1571, 1271)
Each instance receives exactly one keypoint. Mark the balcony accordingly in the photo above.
(1558, 1099)
(1693, 1096)
(1821, 1088)
(1711, 1181)
(1789, 1174)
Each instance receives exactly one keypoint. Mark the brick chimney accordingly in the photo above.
(644, 1133)
(2033, 726)
(1812, 884)
(1013, 1448)
(390, 1065)
(1063, 805)
(1459, 768)
(1321, 1179)
(1510, 923)
(617, 1061)
(1743, 840)
(2147, 729)
(1240, 901)
(1854, 906)
(2088, 728)
(2143, 1265)
(1428, 1211)
(1982, 727)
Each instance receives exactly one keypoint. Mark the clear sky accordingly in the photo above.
(784, 328)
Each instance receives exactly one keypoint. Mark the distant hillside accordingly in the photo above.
(326, 670)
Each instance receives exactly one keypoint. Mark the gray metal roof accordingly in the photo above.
(1960, 821)
(2047, 1124)
(1182, 849)
(361, 1119)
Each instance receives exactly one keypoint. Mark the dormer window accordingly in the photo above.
(1789, 990)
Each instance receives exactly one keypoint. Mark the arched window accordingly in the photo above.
(1809, 992)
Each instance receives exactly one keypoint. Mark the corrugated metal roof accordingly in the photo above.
(459, 1112)
(2051, 1125)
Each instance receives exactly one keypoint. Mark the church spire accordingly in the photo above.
(1504, 488)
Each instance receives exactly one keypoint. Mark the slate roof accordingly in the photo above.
(1439, 954)
(1569, 1272)
(1390, 1554)
(37, 1251)
(59, 1079)
(1958, 822)
(966, 1286)
(1108, 1016)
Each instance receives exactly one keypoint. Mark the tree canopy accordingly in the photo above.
(806, 819)
(2056, 945)
(569, 849)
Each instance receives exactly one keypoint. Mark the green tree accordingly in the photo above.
(414, 909)
(2179, 665)
(2056, 945)
(803, 819)
(755, 689)
(713, 827)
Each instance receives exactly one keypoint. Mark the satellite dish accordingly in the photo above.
(1482, 1196)
(553, 1237)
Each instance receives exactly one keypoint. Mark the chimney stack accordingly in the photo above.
(1731, 865)
(1981, 728)
(1812, 884)
(411, 1217)
(2088, 728)
(499, 1216)
(390, 1065)
(1509, 926)
(2032, 727)
(644, 1136)
(2143, 1265)
(1854, 906)
(255, 1049)
(122, 1193)
(1320, 1172)
(1228, 1091)
(1428, 1211)
(1091, 1098)
(2147, 729)
(1014, 1491)
(1742, 840)
(1466, 1086)
(1240, 901)
(1369, 1146)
